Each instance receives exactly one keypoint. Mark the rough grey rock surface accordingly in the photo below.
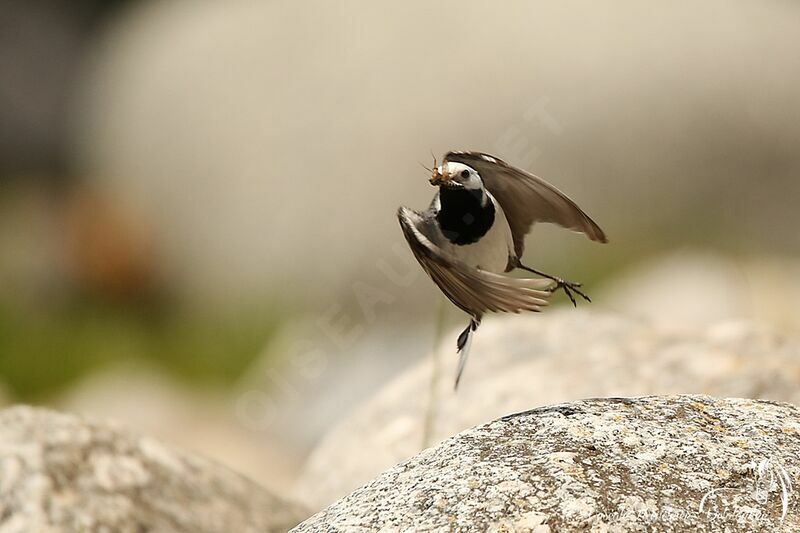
(518, 362)
(61, 473)
(673, 463)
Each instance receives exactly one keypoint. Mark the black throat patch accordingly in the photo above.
(462, 218)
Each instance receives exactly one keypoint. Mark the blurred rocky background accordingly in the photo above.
(197, 199)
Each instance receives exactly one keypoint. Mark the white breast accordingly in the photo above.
(491, 252)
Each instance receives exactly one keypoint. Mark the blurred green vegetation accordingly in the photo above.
(42, 354)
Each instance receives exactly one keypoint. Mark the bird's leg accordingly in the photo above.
(464, 342)
(568, 286)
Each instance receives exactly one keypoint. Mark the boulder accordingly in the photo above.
(722, 288)
(193, 419)
(523, 361)
(63, 473)
(671, 463)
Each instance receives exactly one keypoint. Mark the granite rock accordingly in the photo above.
(669, 463)
(63, 473)
(522, 361)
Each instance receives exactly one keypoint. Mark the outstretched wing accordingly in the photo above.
(527, 199)
(473, 290)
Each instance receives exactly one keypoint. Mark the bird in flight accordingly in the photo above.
(474, 231)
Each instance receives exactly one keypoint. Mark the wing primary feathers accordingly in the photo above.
(527, 199)
(472, 290)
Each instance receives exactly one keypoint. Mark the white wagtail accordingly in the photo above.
(475, 229)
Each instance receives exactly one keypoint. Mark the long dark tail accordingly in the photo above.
(464, 343)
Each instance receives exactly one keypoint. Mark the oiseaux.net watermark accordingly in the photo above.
(341, 327)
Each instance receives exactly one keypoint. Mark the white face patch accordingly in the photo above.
(465, 175)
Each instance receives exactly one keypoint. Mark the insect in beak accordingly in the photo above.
(437, 178)
(440, 176)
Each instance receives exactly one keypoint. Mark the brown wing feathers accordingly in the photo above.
(472, 290)
(527, 199)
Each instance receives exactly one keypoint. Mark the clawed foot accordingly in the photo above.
(569, 287)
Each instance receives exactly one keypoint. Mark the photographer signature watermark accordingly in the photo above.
(771, 484)
(748, 504)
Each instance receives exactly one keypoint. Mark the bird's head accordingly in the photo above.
(456, 176)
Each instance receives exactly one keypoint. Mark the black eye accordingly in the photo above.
(465, 173)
